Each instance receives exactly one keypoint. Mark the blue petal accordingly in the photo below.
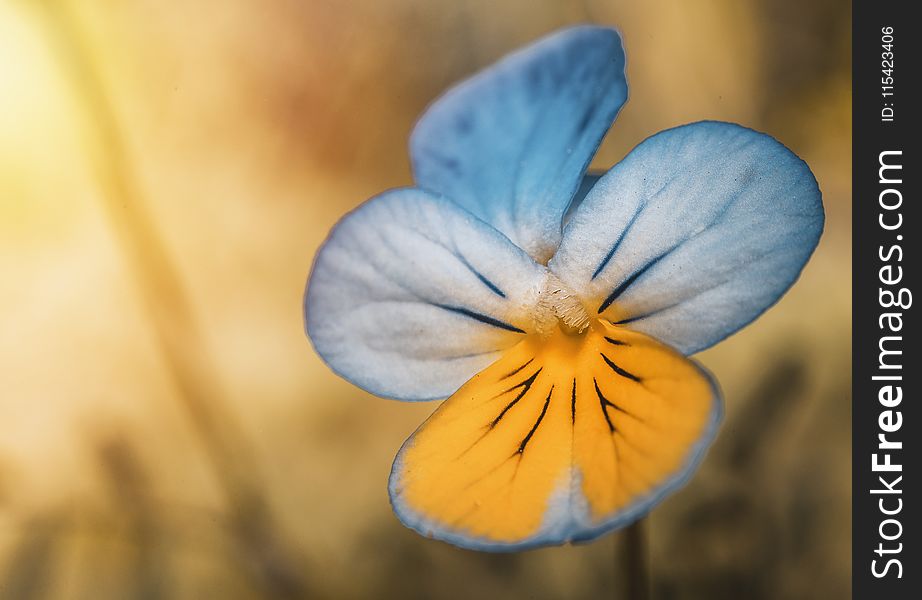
(585, 186)
(694, 234)
(411, 295)
(511, 143)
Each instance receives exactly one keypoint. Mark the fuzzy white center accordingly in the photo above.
(558, 305)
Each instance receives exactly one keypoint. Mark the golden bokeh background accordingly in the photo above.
(167, 171)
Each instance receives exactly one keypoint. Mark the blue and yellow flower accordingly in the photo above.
(555, 309)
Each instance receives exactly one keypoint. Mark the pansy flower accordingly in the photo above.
(553, 309)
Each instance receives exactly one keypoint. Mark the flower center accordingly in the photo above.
(558, 306)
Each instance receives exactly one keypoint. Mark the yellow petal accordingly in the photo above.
(563, 438)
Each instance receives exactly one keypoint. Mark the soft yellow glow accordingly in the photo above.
(40, 153)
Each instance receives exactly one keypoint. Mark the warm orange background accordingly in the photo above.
(167, 171)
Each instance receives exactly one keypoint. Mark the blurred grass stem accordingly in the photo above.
(176, 331)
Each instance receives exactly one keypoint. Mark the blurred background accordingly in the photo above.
(167, 171)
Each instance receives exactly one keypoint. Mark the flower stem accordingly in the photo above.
(635, 562)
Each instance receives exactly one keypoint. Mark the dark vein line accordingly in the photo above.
(643, 206)
(493, 287)
(510, 374)
(619, 370)
(617, 243)
(450, 248)
(603, 402)
(657, 311)
(615, 342)
(482, 318)
(534, 428)
(637, 318)
(573, 403)
(631, 279)
(606, 402)
(525, 385)
(483, 278)
(526, 382)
